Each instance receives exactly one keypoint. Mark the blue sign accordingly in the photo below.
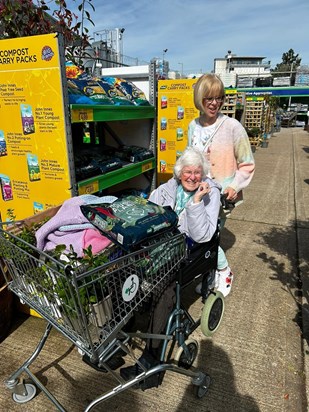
(276, 91)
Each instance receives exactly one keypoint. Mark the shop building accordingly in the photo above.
(243, 71)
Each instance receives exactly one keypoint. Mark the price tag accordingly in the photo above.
(146, 166)
(82, 115)
(88, 189)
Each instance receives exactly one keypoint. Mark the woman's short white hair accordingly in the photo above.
(190, 157)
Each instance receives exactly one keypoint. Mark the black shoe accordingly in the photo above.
(148, 362)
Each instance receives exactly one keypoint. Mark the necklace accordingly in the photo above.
(208, 133)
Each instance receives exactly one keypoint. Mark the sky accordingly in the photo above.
(195, 32)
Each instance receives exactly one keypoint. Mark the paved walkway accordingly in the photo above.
(258, 357)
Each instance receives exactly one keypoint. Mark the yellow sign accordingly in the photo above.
(230, 91)
(255, 99)
(34, 171)
(175, 111)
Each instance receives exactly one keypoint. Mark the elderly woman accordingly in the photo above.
(192, 195)
(196, 200)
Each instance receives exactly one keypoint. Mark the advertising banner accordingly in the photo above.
(175, 111)
(34, 172)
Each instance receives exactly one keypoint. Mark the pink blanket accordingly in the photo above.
(49, 235)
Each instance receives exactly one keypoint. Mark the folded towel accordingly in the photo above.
(49, 236)
(94, 238)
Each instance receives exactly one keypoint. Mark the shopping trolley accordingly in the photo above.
(92, 306)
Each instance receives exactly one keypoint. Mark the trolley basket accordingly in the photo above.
(90, 305)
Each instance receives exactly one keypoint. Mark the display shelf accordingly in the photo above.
(116, 126)
(102, 114)
(97, 183)
(255, 114)
(234, 105)
(289, 119)
(98, 113)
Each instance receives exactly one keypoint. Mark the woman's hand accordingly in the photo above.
(201, 192)
(231, 194)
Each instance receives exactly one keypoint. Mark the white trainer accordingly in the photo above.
(225, 280)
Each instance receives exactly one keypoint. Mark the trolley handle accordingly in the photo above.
(226, 204)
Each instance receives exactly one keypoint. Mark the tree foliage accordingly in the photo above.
(20, 18)
(288, 66)
(290, 57)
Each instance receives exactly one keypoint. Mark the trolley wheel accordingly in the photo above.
(202, 389)
(182, 358)
(31, 391)
(212, 313)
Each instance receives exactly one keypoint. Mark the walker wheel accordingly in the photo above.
(30, 394)
(212, 313)
(202, 389)
(186, 360)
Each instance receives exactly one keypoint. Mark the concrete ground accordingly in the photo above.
(258, 359)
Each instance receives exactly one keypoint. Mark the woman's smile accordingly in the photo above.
(191, 178)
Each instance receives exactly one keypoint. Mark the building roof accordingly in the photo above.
(241, 57)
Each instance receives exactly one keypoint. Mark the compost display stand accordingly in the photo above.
(38, 138)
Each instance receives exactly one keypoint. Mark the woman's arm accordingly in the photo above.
(245, 163)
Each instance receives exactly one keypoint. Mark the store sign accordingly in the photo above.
(280, 92)
(175, 111)
(34, 173)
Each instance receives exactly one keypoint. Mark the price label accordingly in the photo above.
(82, 115)
(146, 166)
(89, 188)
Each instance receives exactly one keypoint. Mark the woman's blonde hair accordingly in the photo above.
(208, 85)
(191, 157)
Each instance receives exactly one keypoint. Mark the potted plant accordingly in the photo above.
(101, 310)
(58, 294)
(253, 134)
(91, 293)
(100, 301)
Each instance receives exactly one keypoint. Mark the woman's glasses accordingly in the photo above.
(196, 173)
(211, 99)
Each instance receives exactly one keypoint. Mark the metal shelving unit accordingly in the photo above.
(110, 119)
(100, 182)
